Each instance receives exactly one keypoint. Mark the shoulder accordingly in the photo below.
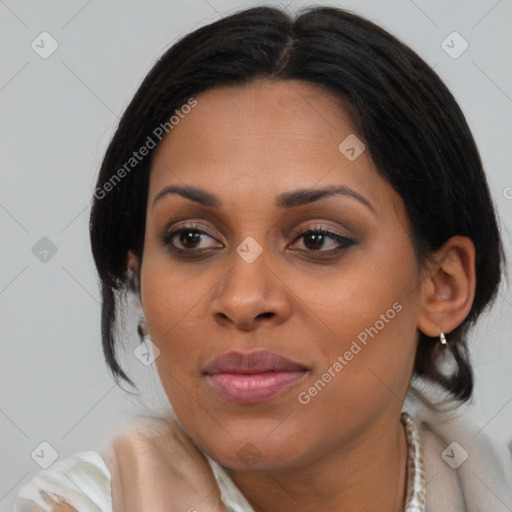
(79, 482)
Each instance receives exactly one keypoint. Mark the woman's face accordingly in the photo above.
(245, 275)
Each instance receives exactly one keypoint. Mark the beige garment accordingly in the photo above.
(465, 472)
(155, 467)
(150, 457)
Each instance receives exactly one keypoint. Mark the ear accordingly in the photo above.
(448, 290)
(133, 267)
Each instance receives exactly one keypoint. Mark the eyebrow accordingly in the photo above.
(285, 200)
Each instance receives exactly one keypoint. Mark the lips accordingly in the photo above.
(251, 362)
(252, 377)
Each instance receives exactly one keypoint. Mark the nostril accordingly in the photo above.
(266, 314)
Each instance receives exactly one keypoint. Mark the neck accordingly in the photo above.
(370, 474)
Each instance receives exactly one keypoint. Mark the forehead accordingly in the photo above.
(264, 137)
(263, 114)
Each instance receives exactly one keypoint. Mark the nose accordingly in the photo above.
(251, 295)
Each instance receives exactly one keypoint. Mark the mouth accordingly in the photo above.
(252, 377)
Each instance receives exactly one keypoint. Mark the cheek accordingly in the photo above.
(174, 308)
(364, 371)
(366, 319)
(174, 312)
(357, 296)
(169, 294)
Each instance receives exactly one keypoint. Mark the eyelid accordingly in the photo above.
(318, 224)
(321, 226)
(342, 227)
(192, 224)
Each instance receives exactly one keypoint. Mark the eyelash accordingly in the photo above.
(344, 242)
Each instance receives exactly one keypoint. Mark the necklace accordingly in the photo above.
(416, 491)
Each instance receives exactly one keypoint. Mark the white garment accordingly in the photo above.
(83, 479)
(481, 483)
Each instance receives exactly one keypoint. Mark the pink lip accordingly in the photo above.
(252, 377)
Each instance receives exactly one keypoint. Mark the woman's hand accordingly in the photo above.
(59, 505)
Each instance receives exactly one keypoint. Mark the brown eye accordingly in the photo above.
(315, 240)
(188, 239)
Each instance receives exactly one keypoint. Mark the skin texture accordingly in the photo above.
(344, 449)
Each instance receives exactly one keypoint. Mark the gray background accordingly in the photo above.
(58, 115)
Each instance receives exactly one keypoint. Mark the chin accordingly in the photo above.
(256, 454)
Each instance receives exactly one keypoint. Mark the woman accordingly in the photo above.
(301, 210)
